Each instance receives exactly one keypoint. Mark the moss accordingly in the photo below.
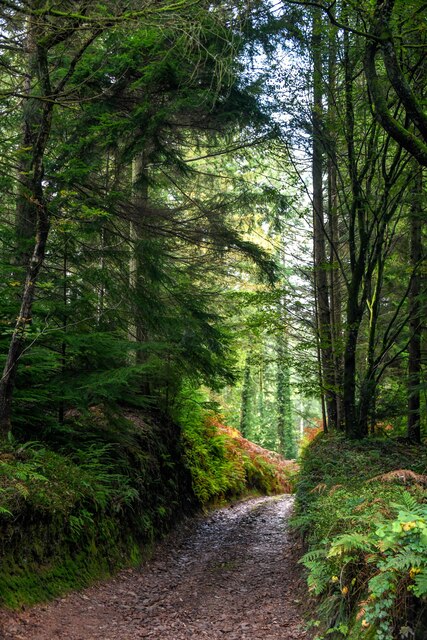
(51, 563)
(97, 493)
(89, 500)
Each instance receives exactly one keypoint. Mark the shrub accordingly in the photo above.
(113, 485)
(365, 522)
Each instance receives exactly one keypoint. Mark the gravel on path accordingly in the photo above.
(230, 575)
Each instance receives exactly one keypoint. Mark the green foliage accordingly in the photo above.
(169, 91)
(221, 463)
(103, 486)
(89, 499)
(400, 556)
(366, 527)
(214, 476)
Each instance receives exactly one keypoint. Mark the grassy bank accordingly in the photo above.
(361, 508)
(98, 491)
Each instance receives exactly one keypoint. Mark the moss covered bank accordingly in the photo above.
(94, 496)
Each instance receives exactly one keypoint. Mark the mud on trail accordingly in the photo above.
(231, 575)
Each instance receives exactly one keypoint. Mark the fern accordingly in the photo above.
(319, 577)
(420, 586)
(313, 556)
(350, 542)
(405, 560)
(410, 506)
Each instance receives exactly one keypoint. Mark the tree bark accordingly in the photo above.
(17, 342)
(285, 423)
(320, 260)
(246, 398)
(334, 234)
(368, 391)
(284, 405)
(24, 219)
(415, 312)
(357, 241)
(38, 214)
(381, 40)
(349, 392)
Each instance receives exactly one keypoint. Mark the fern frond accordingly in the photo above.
(313, 556)
(420, 586)
(350, 542)
(410, 504)
(405, 560)
(318, 578)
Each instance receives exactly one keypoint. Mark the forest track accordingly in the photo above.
(231, 575)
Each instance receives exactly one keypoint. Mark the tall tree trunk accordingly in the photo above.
(261, 397)
(61, 408)
(245, 407)
(24, 218)
(319, 366)
(357, 256)
(368, 391)
(285, 429)
(37, 216)
(334, 236)
(285, 423)
(320, 260)
(414, 363)
(349, 392)
(102, 262)
(138, 329)
(17, 342)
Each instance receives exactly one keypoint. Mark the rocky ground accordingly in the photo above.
(231, 575)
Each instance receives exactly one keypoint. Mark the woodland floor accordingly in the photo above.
(232, 575)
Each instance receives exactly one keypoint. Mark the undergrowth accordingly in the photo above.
(362, 510)
(223, 464)
(92, 497)
(96, 492)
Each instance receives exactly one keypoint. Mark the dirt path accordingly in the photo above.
(232, 576)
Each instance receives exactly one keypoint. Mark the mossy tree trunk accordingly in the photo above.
(415, 312)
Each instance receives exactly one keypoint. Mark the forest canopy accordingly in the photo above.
(216, 194)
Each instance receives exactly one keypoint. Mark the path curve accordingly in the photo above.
(232, 576)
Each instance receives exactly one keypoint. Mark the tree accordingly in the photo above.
(32, 207)
(384, 37)
(154, 99)
(322, 290)
(415, 310)
(365, 170)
